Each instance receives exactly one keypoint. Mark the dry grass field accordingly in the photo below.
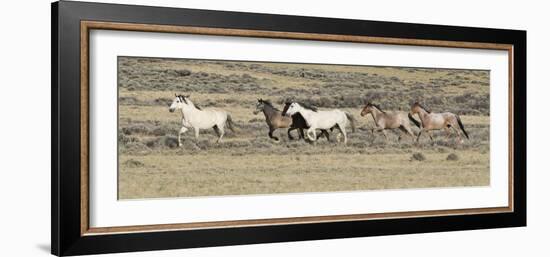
(151, 164)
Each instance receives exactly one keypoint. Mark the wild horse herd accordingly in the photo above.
(300, 116)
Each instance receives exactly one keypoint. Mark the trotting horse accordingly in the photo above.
(316, 119)
(275, 120)
(193, 117)
(434, 121)
(388, 120)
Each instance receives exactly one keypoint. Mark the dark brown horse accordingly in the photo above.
(275, 120)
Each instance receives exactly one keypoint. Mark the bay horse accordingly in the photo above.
(196, 118)
(435, 121)
(388, 120)
(275, 120)
(317, 119)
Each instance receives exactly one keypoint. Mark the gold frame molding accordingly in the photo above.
(86, 26)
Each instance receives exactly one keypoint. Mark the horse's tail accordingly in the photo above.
(417, 123)
(351, 121)
(230, 123)
(461, 126)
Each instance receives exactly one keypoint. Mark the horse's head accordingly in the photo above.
(415, 108)
(367, 109)
(259, 106)
(287, 104)
(291, 108)
(179, 102)
(418, 108)
(371, 108)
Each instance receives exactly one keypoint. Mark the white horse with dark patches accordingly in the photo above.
(317, 119)
(434, 121)
(196, 118)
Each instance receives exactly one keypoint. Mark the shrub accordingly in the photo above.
(162, 101)
(452, 157)
(135, 129)
(253, 120)
(125, 139)
(183, 73)
(153, 143)
(133, 163)
(171, 142)
(418, 157)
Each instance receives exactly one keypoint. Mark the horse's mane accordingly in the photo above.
(425, 109)
(184, 99)
(285, 108)
(268, 102)
(377, 107)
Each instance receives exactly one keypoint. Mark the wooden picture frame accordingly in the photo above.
(71, 25)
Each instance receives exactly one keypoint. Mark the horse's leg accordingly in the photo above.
(378, 129)
(221, 133)
(182, 130)
(288, 133)
(343, 132)
(403, 132)
(301, 134)
(430, 134)
(448, 132)
(419, 133)
(385, 134)
(271, 134)
(427, 132)
(196, 133)
(409, 132)
(309, 131)
(216, 130)
(324, 132)
(458, 135)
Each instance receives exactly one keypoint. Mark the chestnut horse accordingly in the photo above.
(388, 120)
(435, 121)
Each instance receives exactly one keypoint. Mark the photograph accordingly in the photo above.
(177, 126)
(203, 128)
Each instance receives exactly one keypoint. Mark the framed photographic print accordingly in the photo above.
(178, 128)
